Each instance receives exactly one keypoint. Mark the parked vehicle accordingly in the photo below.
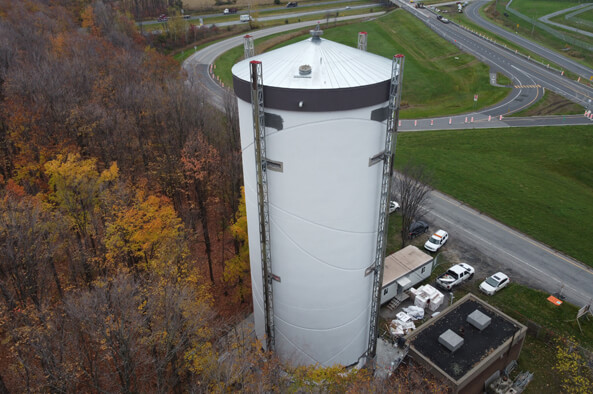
(417, 228)
(437, 240)
(494, 283)
(455, 275)
(393, 206)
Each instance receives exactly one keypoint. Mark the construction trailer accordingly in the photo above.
(404, 269)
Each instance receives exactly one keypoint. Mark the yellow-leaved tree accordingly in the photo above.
(148, 236)
(77, 190)
(236, 269)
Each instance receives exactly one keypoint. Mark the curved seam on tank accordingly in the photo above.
(296, 347)
(324, 329)
(313, 257)
(345, 346)
(321, 225)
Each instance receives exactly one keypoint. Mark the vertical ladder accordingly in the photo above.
(248, 48)
(362, 40)
(259, 133)
(397, 68)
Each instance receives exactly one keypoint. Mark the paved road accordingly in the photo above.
(472, 12)
(507, 248)
(291, 12)
(546, 18)
(197, 64)
(528, 76)
(511, 251)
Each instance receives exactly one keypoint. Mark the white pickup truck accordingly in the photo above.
(455, 275)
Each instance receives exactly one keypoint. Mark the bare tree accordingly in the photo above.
(411, 186)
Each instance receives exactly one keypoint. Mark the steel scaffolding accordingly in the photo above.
(248, 48)
(362, 40)
(397, 68)
(259, 133)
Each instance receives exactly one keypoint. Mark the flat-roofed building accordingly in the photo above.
(469, 344)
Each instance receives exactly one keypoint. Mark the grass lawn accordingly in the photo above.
(439, 79)
(539, 358)
(538, 180)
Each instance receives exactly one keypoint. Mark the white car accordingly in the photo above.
(393, 206)
(436, 240)
(494, 283)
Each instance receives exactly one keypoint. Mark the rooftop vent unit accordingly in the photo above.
(450, 340)
(305, 69)
(479, 320)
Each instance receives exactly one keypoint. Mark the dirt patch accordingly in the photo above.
(552, 104)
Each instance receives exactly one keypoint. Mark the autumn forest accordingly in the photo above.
(123, 253)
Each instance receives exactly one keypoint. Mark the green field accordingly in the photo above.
(538, 180)
(439, 79)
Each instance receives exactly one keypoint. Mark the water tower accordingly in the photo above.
(317, 123)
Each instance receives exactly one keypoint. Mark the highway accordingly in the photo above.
(472, 12)
(502, 247)
(522, 71)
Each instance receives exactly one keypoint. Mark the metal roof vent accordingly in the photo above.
(450, 340)
(479, 320)
(316, 34)
(305, 69)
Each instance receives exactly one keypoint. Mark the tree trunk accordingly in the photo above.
(204, 221)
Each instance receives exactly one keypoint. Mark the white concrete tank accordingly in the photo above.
(323, 127)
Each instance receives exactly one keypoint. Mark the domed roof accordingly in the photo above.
(331, 65)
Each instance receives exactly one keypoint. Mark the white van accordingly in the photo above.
(245, 18)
